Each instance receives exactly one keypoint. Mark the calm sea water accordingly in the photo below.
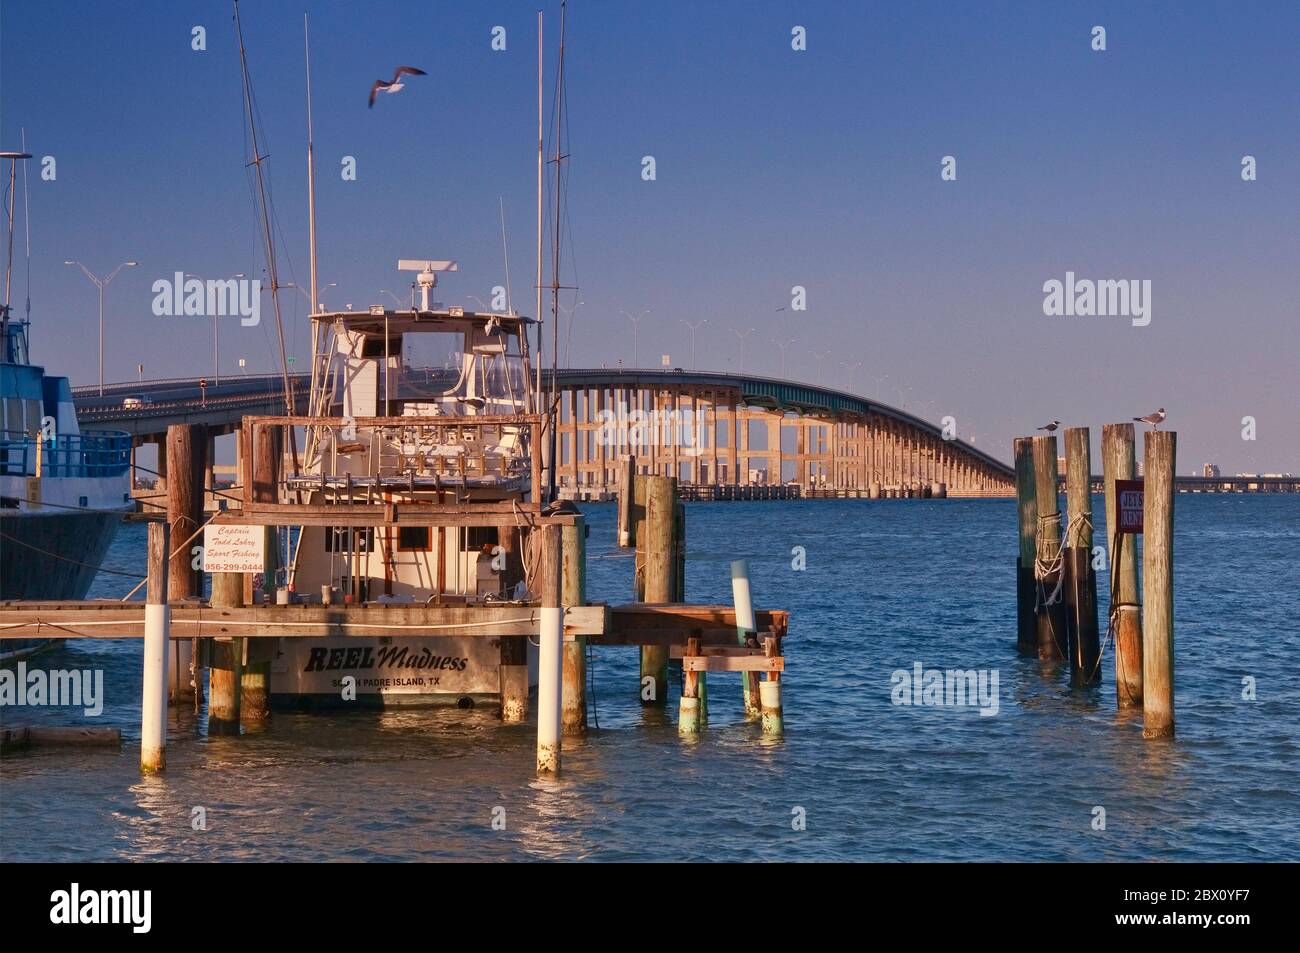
(887, 584)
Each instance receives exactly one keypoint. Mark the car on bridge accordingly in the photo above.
(137, 402)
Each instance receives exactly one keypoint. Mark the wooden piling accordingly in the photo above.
(626, 490)
(1047, 568)
(660, 577)
(186, 451)
(512, 667)
(1119, 463)
(773, 716)
(689, 719)
(256, 654)
(1160, 451)
(1081, 580)
(157, 634)
(1026, 626)
(679, 595)
(550, 688)
(573, 720)
(264, 487)
(226, 671)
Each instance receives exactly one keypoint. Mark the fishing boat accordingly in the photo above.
(63, 491)
(424, 435)
(424, 410)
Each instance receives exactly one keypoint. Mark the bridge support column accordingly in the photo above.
(742, 438)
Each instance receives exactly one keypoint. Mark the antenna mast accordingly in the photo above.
(538, 312)
(27, 231)
(556, 212)
(505, 253)
(258, 158)
(311, 176)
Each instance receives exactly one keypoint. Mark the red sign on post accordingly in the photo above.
(1128, 499)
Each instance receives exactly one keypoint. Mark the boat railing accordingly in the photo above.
(91, 454)
(361, 460)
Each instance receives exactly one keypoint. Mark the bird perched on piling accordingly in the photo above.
(396, 84)
(1051, 428)
(1155, 420)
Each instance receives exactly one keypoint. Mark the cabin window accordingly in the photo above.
(476, 537)
(373, 345)
(84, 500)
(414, 538)
(336, 539)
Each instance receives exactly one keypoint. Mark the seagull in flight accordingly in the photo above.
(1051, 428)
(395, 84)
(1155, 420)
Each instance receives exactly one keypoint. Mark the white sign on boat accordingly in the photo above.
(234, 548)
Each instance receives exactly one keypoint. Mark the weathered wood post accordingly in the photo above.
(1047, 566)
(626, 489)
(256, 654)
(1081, 580)
(746, 630)
(660, 578)
(1026, 625)
(773, 717)
(226, 671)
(1119, 463)
(1158, 584)
(679, 595)
(689, 718)
(157, 633)
(636, 520)
(186, 451)
(574, 715)
(550, 653)
(512, 670)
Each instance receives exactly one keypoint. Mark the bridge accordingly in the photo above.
(707, 428)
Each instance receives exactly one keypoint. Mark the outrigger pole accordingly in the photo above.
(540, 163)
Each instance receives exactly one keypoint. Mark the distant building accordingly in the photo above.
(1060, 466)
(1211, 470)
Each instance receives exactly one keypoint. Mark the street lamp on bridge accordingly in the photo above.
(741, 335)
(850, 368)
(782, 345)
(101, 284)
(635, 321)
(819, 357)
(216, 359)
(318, 306)
(694, 327)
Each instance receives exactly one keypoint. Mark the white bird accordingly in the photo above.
(1155, 420)
(395, 85)
(1050, 427)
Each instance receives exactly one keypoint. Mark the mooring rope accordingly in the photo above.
(66, 559)
(1047, 562)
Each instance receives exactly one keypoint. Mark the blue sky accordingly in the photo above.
(775, 168)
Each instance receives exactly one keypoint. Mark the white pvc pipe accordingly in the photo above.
(741, 597)
(153, 701)
(549, 689)
(745, 624)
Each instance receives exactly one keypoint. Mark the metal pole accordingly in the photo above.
(101, 338)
